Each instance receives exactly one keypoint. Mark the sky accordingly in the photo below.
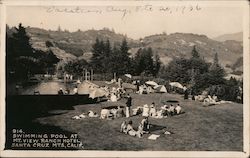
(136, 21)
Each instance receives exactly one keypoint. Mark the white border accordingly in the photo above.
(246, 59)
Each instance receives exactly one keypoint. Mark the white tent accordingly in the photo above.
(176, 84)
(97, 93)
(161, 89)
(128, 75)
(151, 83)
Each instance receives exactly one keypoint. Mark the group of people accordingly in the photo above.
(143, 89)
(170, 110)
(83, 115)
(114, 94)
(112, 113)
(68, 77)
(151, 111)
(128, 128)
(61, 91)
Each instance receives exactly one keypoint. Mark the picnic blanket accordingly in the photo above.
(153, 136)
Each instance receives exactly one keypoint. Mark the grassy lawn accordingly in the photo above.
(216, 128)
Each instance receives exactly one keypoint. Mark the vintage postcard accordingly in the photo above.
(124, 78)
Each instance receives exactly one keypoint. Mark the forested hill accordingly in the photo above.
(180, 45)
(79, 44)
(76, 43)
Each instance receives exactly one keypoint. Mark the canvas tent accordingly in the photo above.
(128, 75)
(176, 84)
(160, 89)
(151, 83)
(97, 92)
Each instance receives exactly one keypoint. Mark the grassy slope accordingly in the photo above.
(199, 128)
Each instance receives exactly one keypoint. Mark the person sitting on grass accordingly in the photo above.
(92, 114)
(60, 92)
(215, 98)
(36, 93)
(152, 111)
(123, 127)
(140, 130)
(67, 91)
(130, 130)
(145, 110)
(164, 109)
(178, 109)
(171, 110)
(120, 112)
(75, 90)
(145, 125)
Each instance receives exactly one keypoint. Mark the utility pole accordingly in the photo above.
(86, 75)
(115, 76)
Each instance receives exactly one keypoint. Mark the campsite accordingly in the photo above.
(195, 130)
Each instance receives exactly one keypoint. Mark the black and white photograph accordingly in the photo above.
(129, 76)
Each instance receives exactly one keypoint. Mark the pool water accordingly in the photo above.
(47, 87)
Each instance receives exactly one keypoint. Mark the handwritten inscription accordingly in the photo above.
(77, 9)
(124, 11)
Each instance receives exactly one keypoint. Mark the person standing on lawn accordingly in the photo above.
(129, 104)
(185, 92)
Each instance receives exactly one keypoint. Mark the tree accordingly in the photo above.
(26, 66)
(21, 43)
(107, 52)
(107, 48)
(105, 59)
(49, 60)
(113, 65)
(216, 72)
(20, 56)
(209, 76)
(124, 47)
(123, 58)
(192, 71)
(146, 63)
(177, 70)
(138, 62)
(195, 53)
(157, 65)
(24, 61)
(76, 67)
(98, 56)
(215, 64)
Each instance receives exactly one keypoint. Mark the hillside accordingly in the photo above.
(181, 45)
(234, 36)
(76, 43)
(71, 45)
